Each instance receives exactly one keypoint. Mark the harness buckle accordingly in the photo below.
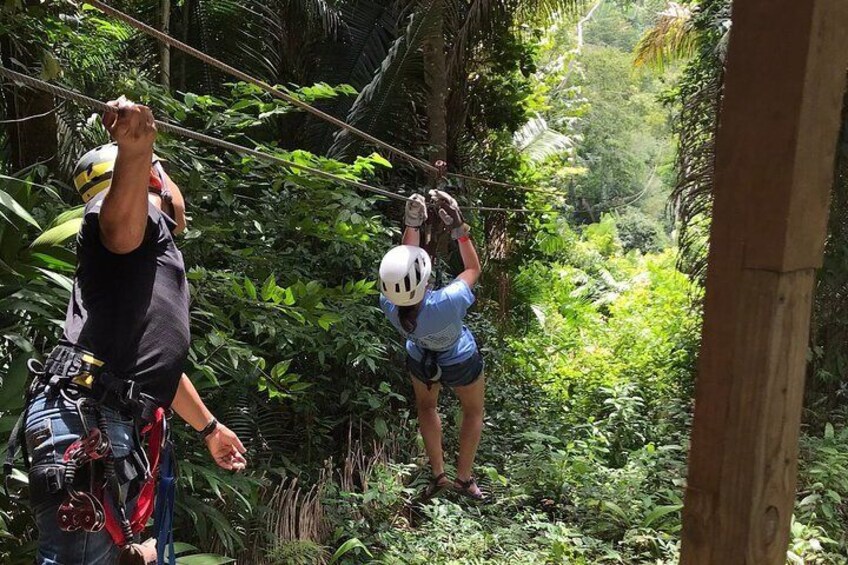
(54, 479)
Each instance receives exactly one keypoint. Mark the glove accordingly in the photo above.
(416, 211)
(450, 213)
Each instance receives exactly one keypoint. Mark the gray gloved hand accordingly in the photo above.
(450, 213)
(416, 211)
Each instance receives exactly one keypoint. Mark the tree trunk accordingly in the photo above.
(435, 76)
(31, 139)
(186, 25)
(164, 48)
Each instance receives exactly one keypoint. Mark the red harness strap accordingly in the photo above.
(154, 432)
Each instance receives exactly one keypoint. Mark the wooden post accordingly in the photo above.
(774, 168)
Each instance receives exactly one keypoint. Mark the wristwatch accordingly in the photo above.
(209, 429)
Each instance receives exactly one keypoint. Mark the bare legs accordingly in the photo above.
(471, 398)
(430, 424)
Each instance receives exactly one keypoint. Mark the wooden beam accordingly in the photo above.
(774, 168)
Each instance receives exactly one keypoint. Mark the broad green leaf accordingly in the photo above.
(190, 99)
(14, 383)
(269, 287)
(57, 235)
(280, 368)
(8, 421)
(615, 509)
(348, 546)
(12, 205)
(67, 215)
(180, 547)
(204, 559)
(828, 431)
(381, 427)
(65, 282)
(53, 262)
(250, 288)
(659, 512)
(380, 160)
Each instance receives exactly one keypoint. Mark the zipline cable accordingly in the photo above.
(165, 127)
(220, 65)
(177, 130)
(232, 71)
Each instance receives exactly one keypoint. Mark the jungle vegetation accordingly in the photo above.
(589, 309)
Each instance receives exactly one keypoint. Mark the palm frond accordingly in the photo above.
(271, 38)
(368, 31)
(700, 93)
(538, 141)
(673, 38)
(376, 108)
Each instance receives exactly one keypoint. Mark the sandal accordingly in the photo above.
(465, 488)
(436, 486)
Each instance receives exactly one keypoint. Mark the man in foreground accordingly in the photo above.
(119, 365)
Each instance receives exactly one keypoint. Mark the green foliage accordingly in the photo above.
(590, 370)
(588, 93)
(296, 552)
(638, 231)
(823, 488)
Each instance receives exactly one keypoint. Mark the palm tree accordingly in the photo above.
(429, 65)
(699, 33)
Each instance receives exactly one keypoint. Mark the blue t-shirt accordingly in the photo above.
(439, 324)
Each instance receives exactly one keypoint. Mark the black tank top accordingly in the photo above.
(132, 310)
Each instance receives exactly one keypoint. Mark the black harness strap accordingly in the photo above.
(79, 377)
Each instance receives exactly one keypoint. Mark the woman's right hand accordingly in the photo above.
(416, 211)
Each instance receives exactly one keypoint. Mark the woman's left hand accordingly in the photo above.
(450, 213)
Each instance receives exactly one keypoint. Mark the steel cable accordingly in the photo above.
(232, 71)
(223, 144)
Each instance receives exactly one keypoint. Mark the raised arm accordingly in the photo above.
(412, 236)
(470, 261)
(451, 215)
(123, 217)
(414, 217)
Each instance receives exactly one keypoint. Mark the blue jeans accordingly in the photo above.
(51, 426)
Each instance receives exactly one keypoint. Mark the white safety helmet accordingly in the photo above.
(404, 275)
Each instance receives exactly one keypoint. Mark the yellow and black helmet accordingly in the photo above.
(93, 173)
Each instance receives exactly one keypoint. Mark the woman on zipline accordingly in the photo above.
(440, 348)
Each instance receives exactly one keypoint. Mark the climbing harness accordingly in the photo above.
(97, 485)
(432, 369)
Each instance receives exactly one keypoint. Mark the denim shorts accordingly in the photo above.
(460, 374)
(51, 426)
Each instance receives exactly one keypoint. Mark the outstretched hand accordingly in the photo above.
(132, 126)
(226, 449)
(416, 211)
(450, 213)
